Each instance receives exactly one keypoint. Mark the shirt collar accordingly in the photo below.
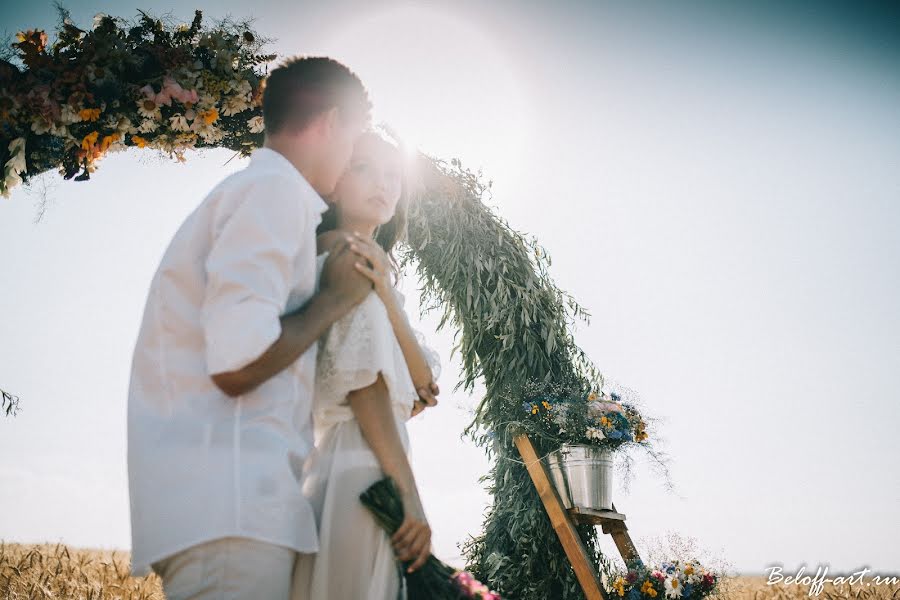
(263, 155)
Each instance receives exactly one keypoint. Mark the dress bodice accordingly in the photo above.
(352, 352)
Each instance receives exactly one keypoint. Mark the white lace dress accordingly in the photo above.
(355, 559)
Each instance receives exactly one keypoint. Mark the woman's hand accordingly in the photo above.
(412, 541)
(427, 397)
(379, 268)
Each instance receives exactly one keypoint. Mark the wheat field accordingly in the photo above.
(57, 571)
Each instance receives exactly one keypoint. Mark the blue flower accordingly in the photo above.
(686, 591)
(634, 594)
(614, 435)
(526, 406)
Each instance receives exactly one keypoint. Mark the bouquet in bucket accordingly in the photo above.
(435, 580)
(579, 416)
(686, 580)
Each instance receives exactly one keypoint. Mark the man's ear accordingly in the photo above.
(328, 122)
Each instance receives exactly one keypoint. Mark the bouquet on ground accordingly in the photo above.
(435, 580)
(675, 579)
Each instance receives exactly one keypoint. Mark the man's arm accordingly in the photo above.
(341, 290)
(249, 269)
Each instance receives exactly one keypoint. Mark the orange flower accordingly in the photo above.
(107, 140)
(35, 37)
(89, 140)
(209, 116)
(89, 114)
(138, 141)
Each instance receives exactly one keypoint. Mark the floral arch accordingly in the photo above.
(173, 88)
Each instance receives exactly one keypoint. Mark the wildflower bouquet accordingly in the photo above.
(674, 579)
(435, 580)
(579, 416)
(147, 84)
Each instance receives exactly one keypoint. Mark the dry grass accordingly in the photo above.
(755, 588)
(55, 571)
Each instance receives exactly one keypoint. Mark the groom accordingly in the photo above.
(220, 399)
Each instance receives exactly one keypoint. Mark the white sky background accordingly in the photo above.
(720, 195)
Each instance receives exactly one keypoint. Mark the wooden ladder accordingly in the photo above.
(564, 521)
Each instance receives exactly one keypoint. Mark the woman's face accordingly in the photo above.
(368, 191)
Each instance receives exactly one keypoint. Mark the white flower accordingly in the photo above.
(206, 101)
(242, 88)
(17, 152)
(256, 124)
(179, 123)
(209, 133)
(673, 587)
(148, 109)
(69, 115)
(234, 105)
(14, 166)
(593, 433)
(59, 130)
(147, 126)
(98, 18)
(40, 125)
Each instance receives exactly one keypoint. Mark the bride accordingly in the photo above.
(372, 375)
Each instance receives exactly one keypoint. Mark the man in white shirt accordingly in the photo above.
(220, 399)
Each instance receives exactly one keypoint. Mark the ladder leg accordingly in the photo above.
(562, 523)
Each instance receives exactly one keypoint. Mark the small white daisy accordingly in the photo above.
(148, 109)
(256, 124)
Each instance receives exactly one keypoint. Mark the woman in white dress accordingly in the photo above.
(372, 375)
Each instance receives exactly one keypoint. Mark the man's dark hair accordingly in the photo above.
(303, 87)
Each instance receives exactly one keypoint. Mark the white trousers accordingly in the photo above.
(229, 568)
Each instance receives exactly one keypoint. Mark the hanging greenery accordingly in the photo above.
(151, 84)
(513, 325)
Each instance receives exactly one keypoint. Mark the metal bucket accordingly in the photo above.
(582, 476)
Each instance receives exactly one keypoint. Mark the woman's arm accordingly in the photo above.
(378, 272)
(419, 369)
(372, 408)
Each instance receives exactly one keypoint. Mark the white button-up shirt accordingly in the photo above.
(203, 465)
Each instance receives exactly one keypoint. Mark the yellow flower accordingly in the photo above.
(592, 396)
(209, 116)
(604, 421)
(648, 589)
(138, 141)
(89, 114)
(534, 409)
(546, 405)
(619, 586)
(89, 140)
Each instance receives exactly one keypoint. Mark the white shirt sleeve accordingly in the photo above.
(248, 270)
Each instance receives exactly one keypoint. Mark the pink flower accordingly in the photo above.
(174, 90)
(161, 98)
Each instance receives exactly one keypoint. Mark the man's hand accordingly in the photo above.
(341, 279)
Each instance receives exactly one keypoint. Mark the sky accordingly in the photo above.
(716, 183)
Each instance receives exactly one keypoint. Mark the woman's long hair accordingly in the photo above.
(394, 231)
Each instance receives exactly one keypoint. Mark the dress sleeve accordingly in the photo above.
(356, 348)
(249, 269)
